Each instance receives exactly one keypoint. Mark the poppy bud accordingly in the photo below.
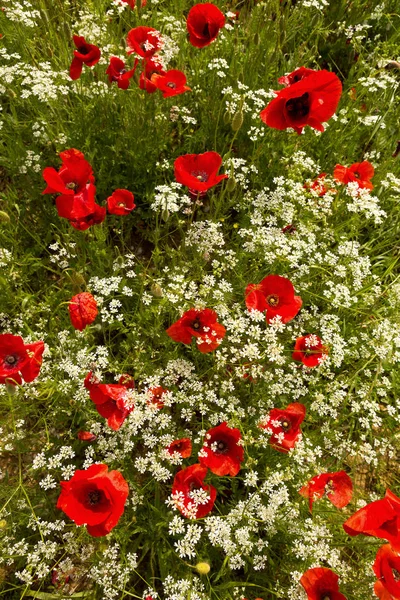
(165, 215)
(77, 280)
(156, 290)
(237, 120)
(256, 38)
(203, 568)
(5, 217)
(227, 117)
(10, 387)
(231, 184)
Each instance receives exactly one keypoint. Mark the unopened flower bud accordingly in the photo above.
(237, 120)
(165, 215)
(231, 184)
(203, 568)
(227, 117)
(156, 290)
(4, 217)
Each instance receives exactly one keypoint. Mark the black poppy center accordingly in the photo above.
(71, 186)
(171, 85)
(200, 175)
(221, 447)
(325, 596)
(11, 359)
(298, 107)
(178, 446)
(83, 50)
(94, 497)
(206, 30)
(286, 425)
(196, 324)
(193, 485)
(396, 574)
(273, 300)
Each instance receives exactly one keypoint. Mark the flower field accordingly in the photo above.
(200, 300)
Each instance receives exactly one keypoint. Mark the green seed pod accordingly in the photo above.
(5, 217)
(165, 214)
(237, 120)
(227, 117)
(77, 280)
(231, 184)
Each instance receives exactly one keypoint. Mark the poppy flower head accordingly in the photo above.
(170, 83)
(337, 487)
(86, 436)
(295, 76)
(112, 401)
(321, 584)
(198, 171)
(203, 24)
(155, 396)
(73, 176)
(201, 324)
(311, 101)
(387, 569)
(222, 452)
(285, 426)
(118, 72)
(274, 296)
(310, 350)
(82, 310)
(85, 54)
(95, 498)
(319, 186)
(182, 446)
(143, 41)
(191, 496)
(361, 173)
(121, 202)
(19, 360)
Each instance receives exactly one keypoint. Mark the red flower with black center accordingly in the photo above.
(144, 41)
(95, 498)
(156, 396)
(203, 24)
(121, 202)
(200, 324)
(274, 296)
(19, 360)
(171, 83)
(361, 173)
(111, 400)
(72, 177)
(198, 171)
(285, 426)
(311, 101)
(321, 584)
(151, 67)
(85, 54)
(191, 496)
(221, 452)
(295, 76)
(82, 310)
(387, 569)
(337, 487)
(81, 209)
(310, 350)
(118, 72)
(378, 519)
(182, 446)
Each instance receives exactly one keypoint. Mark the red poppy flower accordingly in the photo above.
(81, 209)
(191, 496)
(221, 452)
(72, 177)
(295, 76)
(203, 24)
(95, 498)
(337, 487)
(155, 396)
(362, 173)
(121, 202)
(310, 350)
(321, 584)
(182, 446)
(171, 83)
(285, 426)
(118, 72)
(86, 436)
(198, 171)
(311, 101)
(19, 360)
(275, 296)
(379, 519)
(319, 186)
(151, 67)
(144, 41)
(127, 381)
(201, 324)
(387, 569)
(111, 400)
(382, 592)
(85, 54)
(82, 310)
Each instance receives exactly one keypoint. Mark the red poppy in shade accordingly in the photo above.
(201, 324)
(295, 76)
(72, 177)
(118, 72)
(203, 24)
(378, 519)
(362, 173)
(382, 592)
(121, 202)
(81, 209)
(310, 350)
(221, 452)
(82, 310)
(191, 496)
(321, 584)
(198, 171)
(319, 186)
(171, 83)
(85, 54)
(151, 67)
(311, 101)
(274, 295)
(19, 360)
(144, 41)
(95, 498)
(387, 569)
(155, 396)
(182, 446)
(111, 400)
(337, 487)
(86, 436)
(285, 426)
